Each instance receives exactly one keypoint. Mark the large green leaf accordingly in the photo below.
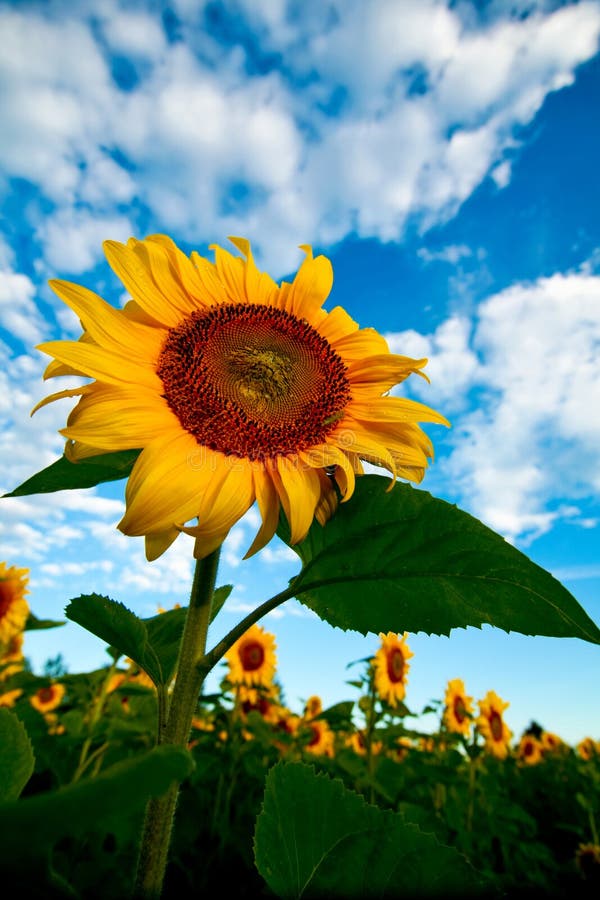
(315, 838)
(37, 822)
(118, 626)
(63, 475)
(406, 561)
(16, 756)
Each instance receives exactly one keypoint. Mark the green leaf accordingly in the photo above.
(426, 565)
(118, 626)
(219, 597)
(16, 756)
(35, 624)
(315, 838)
(35, 823)
(64, 475)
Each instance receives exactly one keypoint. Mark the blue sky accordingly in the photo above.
(444, 156)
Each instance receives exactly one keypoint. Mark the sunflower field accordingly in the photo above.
(377, 806)
(215, 390)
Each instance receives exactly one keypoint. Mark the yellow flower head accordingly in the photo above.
(491, 725)
(313, 707)
(587, 748)
(252, 660)
(9, 698)
(236, 390)
(11, 656)
(391, 667)
(48, 698)
(320, 738)
(458, 708)
(530, 750)
(14, 608)
(357, 741)
(551, 742)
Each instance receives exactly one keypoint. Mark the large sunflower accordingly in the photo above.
(391, 666)
(491, 725)
(235, 389)
(14, 608)
(458, 708)
(252, 660)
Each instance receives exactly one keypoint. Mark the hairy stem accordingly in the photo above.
(160, 811)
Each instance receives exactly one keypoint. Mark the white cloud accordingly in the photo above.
(429, 101)
(18, 311)
(451, 254)
(532, 444)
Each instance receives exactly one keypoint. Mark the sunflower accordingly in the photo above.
(587, 860)
(236, 390)
(313, 707)
(587, 748)
(551, 743)
(391, 666)
(252, 660)
(491, 725)
(9, 698)
(458, 709)
(530, 750)
(320, 737)
(14, 608)
(48, 698)
(357, 741)
(12, 659)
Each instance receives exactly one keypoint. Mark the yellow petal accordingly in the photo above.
(337, 325)
(231, 272)
(165, 274)
(233, 499)
(109, 327)
(365, 342)
(331, 455)
(59, 395)
(169, 483)
(96, 362)
(158, 542)
(394, 409)
(299, 492)
(120, 419)
(311, 286)
(268, 505)
(259, 287)
(136, 277)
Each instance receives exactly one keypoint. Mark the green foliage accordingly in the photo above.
(16, 756)
(64, 475)
(35, 624)
(315, 838)
(425, 565)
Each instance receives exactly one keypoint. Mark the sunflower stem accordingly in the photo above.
(160, 811)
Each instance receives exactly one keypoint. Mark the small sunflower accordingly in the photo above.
(491, 725)
(587, 860)
(313, 707)
(458, 709)
(14, 608)
(587, 748)
(530, 750)
(551, 743)
(48, 698)
(252, 660)
(357, 741)
(236, 390)
(391, 666)
(320, 737)
(9, 698)
(12, 659)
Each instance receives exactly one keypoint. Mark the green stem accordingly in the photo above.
(160, 811)
(95, 713)
(209, 661)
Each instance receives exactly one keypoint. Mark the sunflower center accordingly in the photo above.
(252, 656)
(45, 694)
(6, 598)
(252, 381)
(496, 726)
(460, 710)
(395, 666)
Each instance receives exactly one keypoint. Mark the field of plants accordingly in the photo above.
(464, 809)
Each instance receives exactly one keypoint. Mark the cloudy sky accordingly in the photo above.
(444, 156)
